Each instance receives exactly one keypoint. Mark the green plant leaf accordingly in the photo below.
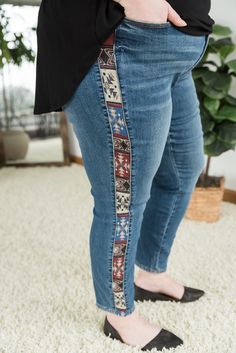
(212, 105)
(231, 100)
(209, 138)
(221, 30)
(199, 71)
(227, 133)
(223, 46)
(213, 93)
(217, 148)
(218, 80)
(206, 120)
(213, 83)
(12, 50)
(227, 112)
(211, 42)
(199, 85)
(232, 65)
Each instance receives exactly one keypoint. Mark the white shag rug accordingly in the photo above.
(47, 302)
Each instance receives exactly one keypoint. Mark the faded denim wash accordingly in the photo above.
(136, 117)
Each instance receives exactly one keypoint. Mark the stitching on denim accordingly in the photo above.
(182, 75)
(202, 53)
(121, 161)
(132, 168)
(110, 143)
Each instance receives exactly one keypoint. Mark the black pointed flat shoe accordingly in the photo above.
(164, 339)
(190, 295)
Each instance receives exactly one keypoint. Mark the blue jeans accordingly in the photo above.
(136, 117)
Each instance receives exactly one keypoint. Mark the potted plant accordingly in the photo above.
(13, 50)
(213, 79)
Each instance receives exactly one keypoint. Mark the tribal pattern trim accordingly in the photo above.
(122, 163)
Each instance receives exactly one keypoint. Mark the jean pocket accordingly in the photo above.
(143, 24)
(203, 52)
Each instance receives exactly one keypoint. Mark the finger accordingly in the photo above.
(174, 17)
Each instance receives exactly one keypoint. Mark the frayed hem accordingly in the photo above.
(150, 269)
(116, 311)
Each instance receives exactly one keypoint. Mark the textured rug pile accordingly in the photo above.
(47, 302)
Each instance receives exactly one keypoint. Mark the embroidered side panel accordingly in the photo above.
(122, 163)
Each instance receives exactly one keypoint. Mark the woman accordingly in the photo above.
(121, 71)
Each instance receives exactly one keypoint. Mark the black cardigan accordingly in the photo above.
(69, 37)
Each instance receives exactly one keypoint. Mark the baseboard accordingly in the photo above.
(229, 195)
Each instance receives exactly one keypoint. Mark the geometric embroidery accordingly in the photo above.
(122, 184)
(110, 85)
(122, 227)
(121, 144)
(121, 163)
(122, 200)
(115, 117)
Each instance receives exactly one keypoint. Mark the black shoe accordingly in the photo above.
(190, 295)
(164, 339)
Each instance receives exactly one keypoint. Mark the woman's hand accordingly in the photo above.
(156, 11)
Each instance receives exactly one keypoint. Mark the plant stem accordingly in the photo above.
(206, 173)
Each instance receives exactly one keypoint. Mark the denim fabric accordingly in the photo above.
(141, 138)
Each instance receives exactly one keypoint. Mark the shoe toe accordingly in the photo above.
(192, 294)
(164, 339)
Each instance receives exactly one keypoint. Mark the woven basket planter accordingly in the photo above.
(205, 203)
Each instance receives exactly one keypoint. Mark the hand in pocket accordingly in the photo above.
(155, 11)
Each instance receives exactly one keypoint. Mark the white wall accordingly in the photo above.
(223, 12)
